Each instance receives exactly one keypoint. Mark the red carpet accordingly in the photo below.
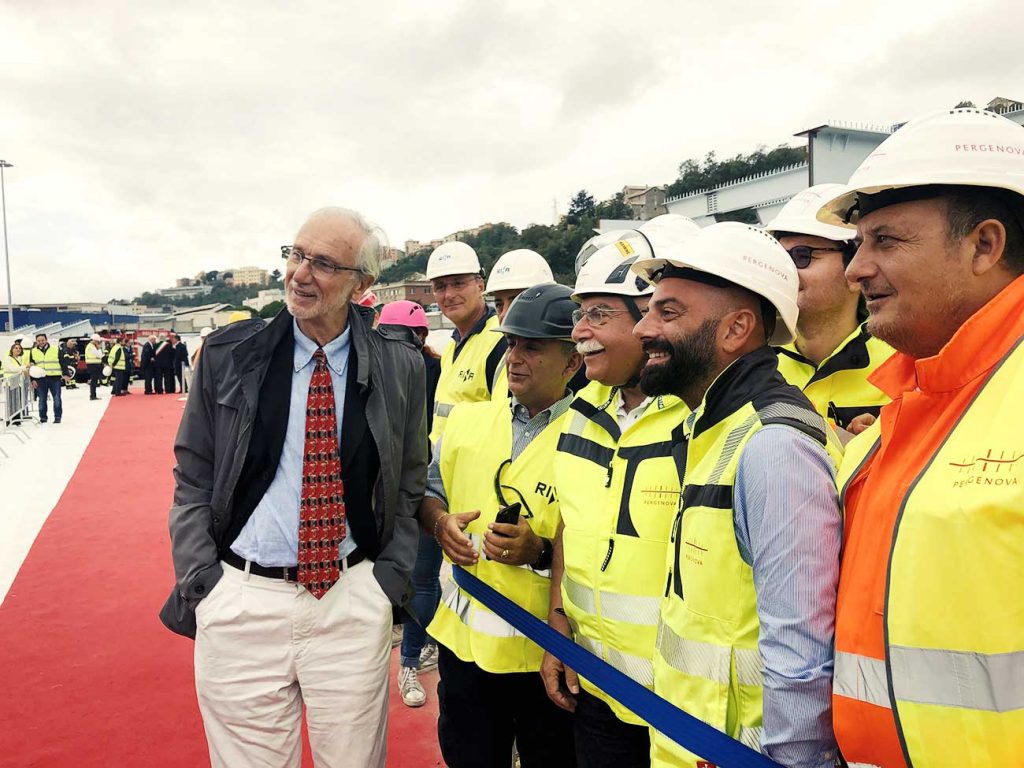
(93, 678)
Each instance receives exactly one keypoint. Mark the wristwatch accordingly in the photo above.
(547, 552)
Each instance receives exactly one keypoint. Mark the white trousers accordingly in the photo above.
(265, 647)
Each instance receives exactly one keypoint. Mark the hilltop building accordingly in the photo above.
(834, 150)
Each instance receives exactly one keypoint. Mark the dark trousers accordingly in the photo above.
(428, 594)
(604, 741)
(481, 714)
(149, 374)
(95, 372)
(120, 382)
(50, 385)
(165, 380)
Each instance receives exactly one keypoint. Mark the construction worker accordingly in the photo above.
(512, 273)
(94, 364)
(47, 357)
(745, 633)
(496, 455)
(469, 363)
(618, 485)
(833, 352)
(930, 623)
(117, 362)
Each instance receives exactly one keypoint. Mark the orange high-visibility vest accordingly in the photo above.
(929, 666)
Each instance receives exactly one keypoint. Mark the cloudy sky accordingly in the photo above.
(152, 140)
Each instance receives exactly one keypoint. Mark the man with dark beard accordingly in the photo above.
(746, 628)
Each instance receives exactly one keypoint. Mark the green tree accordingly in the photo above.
(582, 206)
(614, 208)
(696, 175)
(275, 276)
(271, 309)
(210, 276)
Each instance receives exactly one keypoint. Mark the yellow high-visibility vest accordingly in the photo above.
(618, 494)
(93, 354)
(464, 378)
(707, 660)
(49, 360)
(477, 443)
(115, 360)
(499, 382)
(839, 388)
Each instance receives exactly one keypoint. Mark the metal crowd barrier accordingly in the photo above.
(17, 407)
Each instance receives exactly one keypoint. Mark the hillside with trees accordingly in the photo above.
(221, 293)
(559, 243)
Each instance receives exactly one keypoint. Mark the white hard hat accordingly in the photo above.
(607, 269)
(595, 243)
(518, 270)
(670, 224)
(96, 337)
(454, 258)
(36, 372)
(107, 370)
(206, 331)
(739, 254)
(800, 214)
(969, 147)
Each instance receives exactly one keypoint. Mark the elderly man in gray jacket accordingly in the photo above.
(301, 461)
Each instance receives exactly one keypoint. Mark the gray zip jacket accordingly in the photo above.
(213, 441)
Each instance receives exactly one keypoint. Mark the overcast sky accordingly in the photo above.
(152, 140)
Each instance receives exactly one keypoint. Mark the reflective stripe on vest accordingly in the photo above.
(618, 492)
(637, 668)
(710, 661)
(990, 682)
(463, 379)
(838, 388)
(631, 609)
(707, 661)
(477, 441)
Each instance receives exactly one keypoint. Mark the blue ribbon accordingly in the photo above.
(684, 729)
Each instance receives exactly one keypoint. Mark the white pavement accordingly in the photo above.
(37, 472)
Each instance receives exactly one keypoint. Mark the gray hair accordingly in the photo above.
(374, 239)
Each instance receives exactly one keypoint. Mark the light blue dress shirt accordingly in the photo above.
(789, 530)
(271, 535)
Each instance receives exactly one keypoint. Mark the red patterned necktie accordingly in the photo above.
(322, 507)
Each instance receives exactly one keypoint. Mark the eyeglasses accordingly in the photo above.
(320, 267)
(454, 283)
(596, 316)
(498, 487)
(803, 254)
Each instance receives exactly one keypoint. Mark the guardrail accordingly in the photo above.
(17, 407)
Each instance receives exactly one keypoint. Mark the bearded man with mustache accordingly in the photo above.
(746, 624)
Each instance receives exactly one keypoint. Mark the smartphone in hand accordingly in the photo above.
(509, 515)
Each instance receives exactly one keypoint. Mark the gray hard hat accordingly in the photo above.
(541, 312)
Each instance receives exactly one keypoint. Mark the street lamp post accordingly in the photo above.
(7, 255)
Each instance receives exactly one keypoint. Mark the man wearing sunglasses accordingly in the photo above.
(301, 459)
(469, 362)
(618, 482)
(494, 460)
(833, 353)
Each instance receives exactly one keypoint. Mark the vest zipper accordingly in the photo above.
(608, 556)
(608, 478)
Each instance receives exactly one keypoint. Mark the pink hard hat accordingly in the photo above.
(407, 313)
(368, 299)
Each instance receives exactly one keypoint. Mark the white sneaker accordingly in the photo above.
(409, 686)
(428, 657)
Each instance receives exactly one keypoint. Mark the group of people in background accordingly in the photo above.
(771, 474)
(164, 362)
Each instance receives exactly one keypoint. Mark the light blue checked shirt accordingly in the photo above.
(271, 535)
(789, 529)
(524, 430)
